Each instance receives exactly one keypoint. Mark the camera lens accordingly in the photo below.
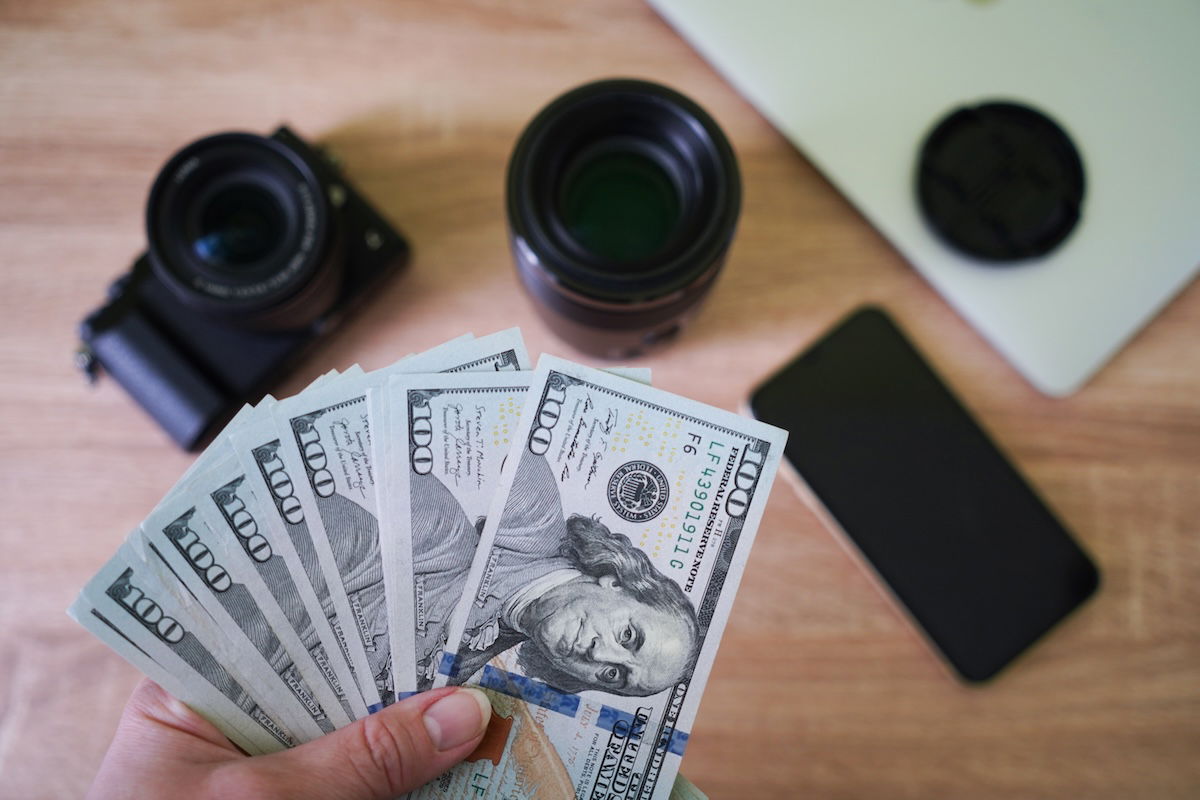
(240, 225)
(623, 196)
(239, 228)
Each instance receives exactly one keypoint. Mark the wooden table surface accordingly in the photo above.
(820, 689)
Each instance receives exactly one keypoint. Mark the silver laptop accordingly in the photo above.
(858, 84)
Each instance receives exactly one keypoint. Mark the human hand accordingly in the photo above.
(164, 749)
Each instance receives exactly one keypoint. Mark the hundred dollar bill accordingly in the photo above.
(217, 562)
(328, 441)
(242, 521)
(258, 448)
(229, 643)
(218, 474)
(128, 609)
(177, 679)
(451, 433)
(503, 351)
(257, 445)
(236, 656)
(604, 575)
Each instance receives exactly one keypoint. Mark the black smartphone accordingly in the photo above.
(897, 465)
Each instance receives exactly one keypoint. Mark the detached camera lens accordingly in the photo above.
(623, 196)
(239, 228)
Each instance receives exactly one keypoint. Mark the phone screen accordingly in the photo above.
(962, 541)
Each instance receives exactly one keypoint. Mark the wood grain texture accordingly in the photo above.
(820, 690)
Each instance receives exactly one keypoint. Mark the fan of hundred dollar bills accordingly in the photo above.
(567, 538)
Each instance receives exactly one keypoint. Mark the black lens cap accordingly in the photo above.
(1000, 182)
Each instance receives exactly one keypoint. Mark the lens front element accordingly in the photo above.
(239, 225)
(620, 206)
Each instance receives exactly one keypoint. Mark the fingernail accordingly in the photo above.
(457, 718)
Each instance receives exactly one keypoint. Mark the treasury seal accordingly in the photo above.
(638, 491)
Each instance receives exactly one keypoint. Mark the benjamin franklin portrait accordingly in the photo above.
(587, 609)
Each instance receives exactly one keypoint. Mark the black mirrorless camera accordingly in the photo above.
(258, 247)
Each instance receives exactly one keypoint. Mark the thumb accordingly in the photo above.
(391, 752)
